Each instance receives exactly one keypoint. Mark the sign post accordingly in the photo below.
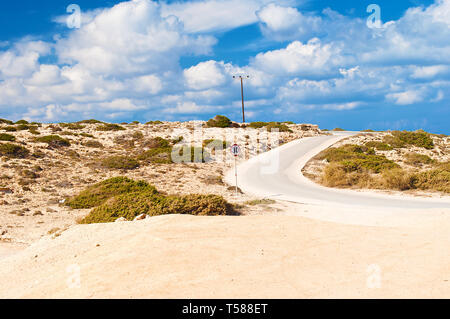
(235, 150)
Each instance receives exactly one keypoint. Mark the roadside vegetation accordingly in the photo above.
(122, 197)
(366, 166)
(281, 127)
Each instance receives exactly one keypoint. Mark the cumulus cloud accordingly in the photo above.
(405, 98)
(125, 60)
(297, 58)
(285, 23)
(205, 75)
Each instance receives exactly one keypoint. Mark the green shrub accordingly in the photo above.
(160, 155)
(188, 154)
(156, 142)
(22, 122)
(257, 125)
(210, 143)
(72, 126)
(398, 179)
(23, 127)
(10, 129)
(399, 139)
(379, 146)
(53, 141)
(91, 121)
(7, 137)
(134, 204)
(99, 193)
(87, 135)
(417, 159)
(356, 158)
(92, 144)
(270, 126)
(5, 121)
(120, 162)
(110, 127)
(154, 122)
(219, 121)
(34, 130)
(278, 126)
(13, 151)
(435, 179)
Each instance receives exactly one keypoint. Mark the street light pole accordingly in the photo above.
(241, 77)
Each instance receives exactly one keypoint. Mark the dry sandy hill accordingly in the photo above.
(32, 188)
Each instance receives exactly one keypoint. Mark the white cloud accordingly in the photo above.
(216, 15)
(297, 58)
(427, 72)
(205, 75)
(283, 23)
(130, 38)
(405, 98)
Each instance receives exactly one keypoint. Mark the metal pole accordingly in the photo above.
(242, 95)
(235, 174)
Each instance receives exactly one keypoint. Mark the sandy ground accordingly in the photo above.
(282, 250)
(271, 256)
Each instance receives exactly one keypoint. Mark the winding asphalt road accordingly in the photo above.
(277, 174)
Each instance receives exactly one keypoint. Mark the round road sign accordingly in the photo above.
(235, 149)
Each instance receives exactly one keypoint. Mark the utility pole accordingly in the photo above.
(241, 77)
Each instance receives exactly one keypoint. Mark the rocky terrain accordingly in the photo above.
(56, 161)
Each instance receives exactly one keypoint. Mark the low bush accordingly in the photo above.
(356, 158)
(22, 122)
(5, 121)
(23, 127)
(219, 121)
(336, 175)
(154, 122)
(10, 129)
(7, 137)
(13, 151)
(72, 126)
(99, 193)
(91, 121)
(214, 143)
(399, 139)
(417, 159)
(112, 202)
(379, 146)
(92, 144)
(338, 129)
(110, 127)
(398, 179)
(156, 142)
(437, 179)
(281, 127)
(34, 130)
(188, 154)
(120, 162)
(55, 141)
(159, 155)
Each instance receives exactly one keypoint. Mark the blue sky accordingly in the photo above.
(308, 61)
